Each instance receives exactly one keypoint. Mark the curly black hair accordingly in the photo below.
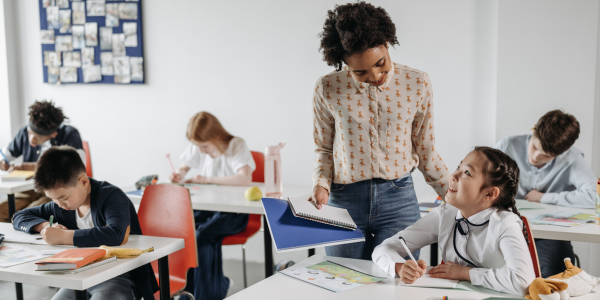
(353, 28)
(44, 115)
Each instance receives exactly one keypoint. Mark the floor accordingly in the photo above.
(231, 268)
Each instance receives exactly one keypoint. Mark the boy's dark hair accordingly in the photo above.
(557, 132)
(502, 172)
(353, 28)
(59, 166)
(45, 117)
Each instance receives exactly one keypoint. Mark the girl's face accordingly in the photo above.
(372, 66)
(464, 191)
(208, 148)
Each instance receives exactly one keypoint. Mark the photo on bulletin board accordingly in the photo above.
(92, 41)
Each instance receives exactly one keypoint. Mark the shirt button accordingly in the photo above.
(37, 152)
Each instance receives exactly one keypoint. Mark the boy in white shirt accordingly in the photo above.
(224, 159)
(478, 229)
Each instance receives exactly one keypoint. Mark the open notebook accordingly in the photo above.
(327, 214)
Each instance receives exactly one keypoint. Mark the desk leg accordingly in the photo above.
(311, 252)
(80, 295)
(268, 248)
(11, 207)
(163, 278)
(433, 255)
(19, 290)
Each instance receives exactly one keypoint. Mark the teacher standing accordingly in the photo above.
(373, 124)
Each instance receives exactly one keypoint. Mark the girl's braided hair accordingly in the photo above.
(502, 172)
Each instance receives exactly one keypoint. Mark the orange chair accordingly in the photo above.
(254, 220)
(88, 159)
(532, 248)
(173, 203)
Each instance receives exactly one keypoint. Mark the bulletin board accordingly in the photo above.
(93, 41)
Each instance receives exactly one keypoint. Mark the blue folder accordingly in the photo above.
(292, 233)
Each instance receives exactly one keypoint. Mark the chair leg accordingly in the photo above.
(186, 293)
(577, 262)
(244, 264)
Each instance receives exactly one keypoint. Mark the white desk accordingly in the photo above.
(283, 287)
(231, 199)
(589, 232)
(25, 273)
(11, 188)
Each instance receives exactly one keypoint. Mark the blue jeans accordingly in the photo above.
(118, 288)
(379, 207)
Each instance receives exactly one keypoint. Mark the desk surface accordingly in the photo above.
(25, 273)
(12, 187)
(280, 286)
(229, 198)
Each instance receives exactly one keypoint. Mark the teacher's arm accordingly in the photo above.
(430, 162)
(323, 134)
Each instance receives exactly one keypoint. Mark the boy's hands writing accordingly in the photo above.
(409, 271)
(57, 236)
(41, 226)
(450, 270)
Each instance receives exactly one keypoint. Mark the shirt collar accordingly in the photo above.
(362, 86)
(479, 217)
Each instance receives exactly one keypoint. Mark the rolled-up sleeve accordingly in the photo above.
(323, 133)
(516, 276)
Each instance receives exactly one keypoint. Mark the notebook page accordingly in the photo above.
(307, 209)
(427, 281)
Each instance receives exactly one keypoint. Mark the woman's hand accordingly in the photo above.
(409, 271)
(451, 270)
(319, 196)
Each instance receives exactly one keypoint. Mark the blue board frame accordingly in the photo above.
(129, 51)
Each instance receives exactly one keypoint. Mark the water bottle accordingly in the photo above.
(273, 184)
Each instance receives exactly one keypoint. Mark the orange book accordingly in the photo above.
(70, 259)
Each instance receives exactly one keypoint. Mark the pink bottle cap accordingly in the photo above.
(271, 150)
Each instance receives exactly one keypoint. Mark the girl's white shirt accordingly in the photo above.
(236, 156)
(498, 249)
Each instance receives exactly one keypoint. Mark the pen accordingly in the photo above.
(4, 156)
(406, 248)
(52, 220)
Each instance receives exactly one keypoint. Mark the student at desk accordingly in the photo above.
(45, 129)
(220, 158)
(92, 213)
(479, 229)
(553, 171)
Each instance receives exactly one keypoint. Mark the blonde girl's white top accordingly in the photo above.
(498, 248)
(363, 131)
(236, 156)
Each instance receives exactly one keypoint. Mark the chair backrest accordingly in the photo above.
(170, 202)
(532, 248)
(259, 160)
(88, 159)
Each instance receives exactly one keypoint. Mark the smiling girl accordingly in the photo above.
(479, 229)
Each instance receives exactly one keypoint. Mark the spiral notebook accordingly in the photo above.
(98, 263)
(291, 233)
(327, 214)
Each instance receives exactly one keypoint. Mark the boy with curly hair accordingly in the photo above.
(45, 129)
